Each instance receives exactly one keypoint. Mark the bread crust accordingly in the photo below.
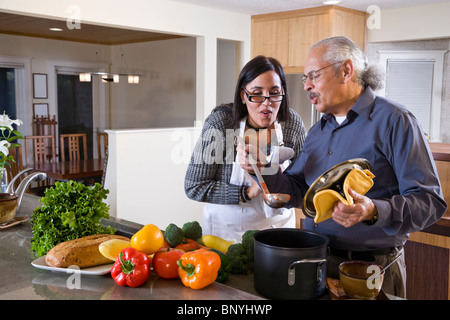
(82, 252)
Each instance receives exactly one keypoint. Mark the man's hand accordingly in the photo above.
(362, 209)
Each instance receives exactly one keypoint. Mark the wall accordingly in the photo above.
(146, 184)
(372, 51)
(166, 93)
(226, 72)
(413, 23)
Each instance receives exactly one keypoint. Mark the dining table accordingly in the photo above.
(72, 170)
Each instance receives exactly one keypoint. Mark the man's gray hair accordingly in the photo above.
(340, 48)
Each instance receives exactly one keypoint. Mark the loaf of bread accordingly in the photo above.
(82, 252)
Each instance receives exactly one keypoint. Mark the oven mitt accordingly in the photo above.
(324, 200)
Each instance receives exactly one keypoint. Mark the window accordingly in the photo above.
(414, 79)
(410, 83)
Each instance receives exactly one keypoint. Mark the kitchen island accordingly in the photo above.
(21, 280)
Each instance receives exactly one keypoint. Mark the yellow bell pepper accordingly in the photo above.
(149, 239)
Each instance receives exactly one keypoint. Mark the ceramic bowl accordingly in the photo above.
(8, 206)
(357, 279)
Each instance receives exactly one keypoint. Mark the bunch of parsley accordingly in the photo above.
(70, 210)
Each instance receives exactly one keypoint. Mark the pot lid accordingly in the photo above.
(328, 178)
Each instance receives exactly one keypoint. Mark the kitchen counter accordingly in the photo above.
(20, 280)
(441, 155)
(440, 151)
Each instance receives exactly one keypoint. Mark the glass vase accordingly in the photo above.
(3, 179)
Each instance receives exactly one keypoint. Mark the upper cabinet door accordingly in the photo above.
(288, 35)
(303, 33)
(271, 38)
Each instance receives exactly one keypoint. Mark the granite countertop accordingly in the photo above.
(23, 281)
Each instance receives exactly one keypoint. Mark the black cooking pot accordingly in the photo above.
(290, 263)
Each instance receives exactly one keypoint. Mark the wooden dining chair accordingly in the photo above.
(43, 147)
(43, 151)
(71, 143)
(45, 126)
(15, 166)
(102, 147)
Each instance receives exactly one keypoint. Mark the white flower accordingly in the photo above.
(7, 135)
(5, 121)
(4, 145)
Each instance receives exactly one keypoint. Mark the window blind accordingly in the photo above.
(410, 83)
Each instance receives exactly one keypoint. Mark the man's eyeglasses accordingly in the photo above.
(312, 76)
(261, 99)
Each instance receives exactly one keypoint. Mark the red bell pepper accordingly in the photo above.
(188, 245)
(132, 268)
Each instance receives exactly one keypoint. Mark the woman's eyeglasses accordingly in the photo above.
(261, 99)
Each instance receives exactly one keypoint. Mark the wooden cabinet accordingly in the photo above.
(427, 252)
(288, 35)
(427, 258)
(443, 169)
(441, 155)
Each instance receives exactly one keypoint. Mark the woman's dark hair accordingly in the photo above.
(251, 70)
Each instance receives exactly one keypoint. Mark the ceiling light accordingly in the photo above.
(109, 77)
(133, 79)
(331, 2)
(55, 29)
(85, 77)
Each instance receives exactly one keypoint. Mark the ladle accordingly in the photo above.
(273, 200)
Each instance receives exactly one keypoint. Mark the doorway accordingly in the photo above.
(8, 92)
(75, 109)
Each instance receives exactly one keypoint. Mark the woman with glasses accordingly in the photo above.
(261, 116)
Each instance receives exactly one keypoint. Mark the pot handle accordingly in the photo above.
(291, 269)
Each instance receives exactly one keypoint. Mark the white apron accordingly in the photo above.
(230, 221)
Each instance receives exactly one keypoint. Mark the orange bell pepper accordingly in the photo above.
(199, 268)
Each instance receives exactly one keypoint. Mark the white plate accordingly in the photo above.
(93, 271)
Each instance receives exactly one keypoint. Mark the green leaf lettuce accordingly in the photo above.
(70, 210)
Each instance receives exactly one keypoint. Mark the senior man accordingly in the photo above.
(406, 195)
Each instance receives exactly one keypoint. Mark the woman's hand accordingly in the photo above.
(254, 190)
(243, 158)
